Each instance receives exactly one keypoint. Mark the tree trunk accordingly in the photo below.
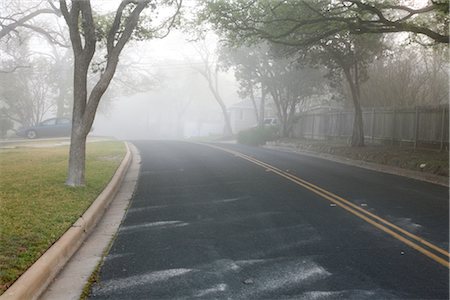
(262, 106)
(284, 129)
(78, 17)
(227, 131)
(77, 159)
(77, 153)
(281, 112)
(358, 129)
(255, 106)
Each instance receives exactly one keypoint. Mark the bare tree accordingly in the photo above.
(406, 78)
(15, 16)
(250, 66)
(25, 96)
(209, 69)
(83, 36)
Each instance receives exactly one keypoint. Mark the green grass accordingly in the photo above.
(36, 208)
(403, 157)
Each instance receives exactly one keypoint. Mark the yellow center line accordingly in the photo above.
(352, 208)
(407, 233)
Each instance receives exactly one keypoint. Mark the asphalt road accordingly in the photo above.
(264, 224)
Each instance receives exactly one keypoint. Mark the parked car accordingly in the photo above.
(270, 121)
(48, 128)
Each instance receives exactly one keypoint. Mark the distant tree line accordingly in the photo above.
(282, 52)
(279, 47)
(31, 87)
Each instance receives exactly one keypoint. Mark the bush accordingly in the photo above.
(257, 136)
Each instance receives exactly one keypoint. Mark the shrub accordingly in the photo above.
(257, 136)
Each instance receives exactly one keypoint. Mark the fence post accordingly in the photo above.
(416, 128)
(393, 125)
(442, 129)
(312, 131)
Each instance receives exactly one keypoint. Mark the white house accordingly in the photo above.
(242, 116)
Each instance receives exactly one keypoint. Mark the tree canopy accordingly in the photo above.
(307, 22)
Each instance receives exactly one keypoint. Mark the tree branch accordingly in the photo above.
(18, 23)
(46, 34)
(14, 69)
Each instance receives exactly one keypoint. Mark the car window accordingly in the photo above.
(49, 122)
(63, 121)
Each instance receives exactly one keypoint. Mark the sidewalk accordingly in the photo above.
(70, 282)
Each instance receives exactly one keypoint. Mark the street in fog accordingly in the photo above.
(290, 149)
(213, 224)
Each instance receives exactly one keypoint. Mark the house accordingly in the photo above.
(242, 115)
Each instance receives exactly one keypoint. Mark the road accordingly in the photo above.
(228, 221)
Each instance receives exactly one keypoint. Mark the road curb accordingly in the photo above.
(32, 283)
(426, 177)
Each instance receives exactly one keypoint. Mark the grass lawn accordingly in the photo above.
(36, 208)
(403, 157)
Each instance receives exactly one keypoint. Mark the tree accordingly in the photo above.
(277, 20)
(299, 28)
(407, 77)
(84, 34)
(25, 95)
(290, 84)
(60, 64)
(209, 69)
(250, 69)
(430, 20)
(14, 15)
(286, 81)
(350, 55)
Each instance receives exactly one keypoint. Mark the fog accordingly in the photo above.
(157, 91)
(197, 82)
(177, 102)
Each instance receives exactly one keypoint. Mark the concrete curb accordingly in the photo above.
(32, 283)
(435, 179)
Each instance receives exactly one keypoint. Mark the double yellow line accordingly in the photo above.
(428, 249)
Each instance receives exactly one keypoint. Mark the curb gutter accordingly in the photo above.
(426, 177)
(32, 283)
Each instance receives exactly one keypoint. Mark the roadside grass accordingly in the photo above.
(36, 208)
(403, 157)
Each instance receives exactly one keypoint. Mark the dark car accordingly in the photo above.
(48, 128)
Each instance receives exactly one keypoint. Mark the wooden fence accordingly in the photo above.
(416, 126)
